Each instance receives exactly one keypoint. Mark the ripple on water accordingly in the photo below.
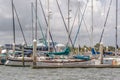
(21, 73)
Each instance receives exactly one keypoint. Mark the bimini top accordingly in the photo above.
(66, 51)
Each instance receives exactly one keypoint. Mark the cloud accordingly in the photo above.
(57, 26)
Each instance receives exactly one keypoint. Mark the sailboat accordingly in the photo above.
(19, 57)
(112, 60)
(60, 59)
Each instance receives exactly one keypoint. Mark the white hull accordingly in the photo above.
(112, 61)
(73, 64)
(18, 61)
(59, 63)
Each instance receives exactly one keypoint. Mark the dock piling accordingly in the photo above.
(101, 53)
(34, 51)
(23, 54)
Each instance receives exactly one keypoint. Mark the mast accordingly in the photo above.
(46, 20)
(48, 5)
(13, 26)
(68, 22)
(92, 23)
(36, 22)
(32, 21)
(116, 48)
(13, 22)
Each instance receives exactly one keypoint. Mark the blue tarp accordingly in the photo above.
(109, 53)
(94, 52)
(81, 57)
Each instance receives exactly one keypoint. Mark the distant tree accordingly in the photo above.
(97, 47)
(118, 48)
(111, 48)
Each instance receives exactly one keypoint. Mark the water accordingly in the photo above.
(21, 73)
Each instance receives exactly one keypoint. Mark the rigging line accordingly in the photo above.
(42, 32)
(74, 21)
(85, 24)
(80, 23)
(44, 15)
(64, 24)
(20, 25)
(47, 25)
(83, 21)
(86, 28)
(13, 22)
(52, 41)
(40, 28)
(105, 22)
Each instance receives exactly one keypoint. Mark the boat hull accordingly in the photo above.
(60, 63)
(19, 62)
(72, 63)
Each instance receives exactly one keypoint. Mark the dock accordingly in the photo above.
(78, 66)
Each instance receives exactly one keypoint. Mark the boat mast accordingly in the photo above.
(32, 21)
(36, 22)
(78, 12)
(68, 22)
(48, 5)
(116, 48)
(92, 23)
(13, 26)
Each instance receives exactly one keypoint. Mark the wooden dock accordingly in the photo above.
(78, 66)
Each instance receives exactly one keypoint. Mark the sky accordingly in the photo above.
(57, 28)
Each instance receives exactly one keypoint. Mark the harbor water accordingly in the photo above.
(26, 73)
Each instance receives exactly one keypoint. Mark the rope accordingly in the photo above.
(74, 20)
(20, 25)
(65, 24)
(44, 15)
(80, 24)
(105, 21)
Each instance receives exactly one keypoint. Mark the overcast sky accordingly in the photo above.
(56, 24)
